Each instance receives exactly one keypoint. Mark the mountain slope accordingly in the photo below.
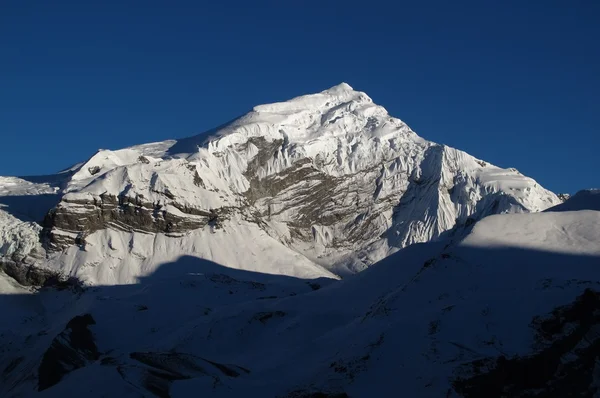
(587, 199)
(333, 180)
(518, 295)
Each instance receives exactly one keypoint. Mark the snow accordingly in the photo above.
(583, 200)
(368, 187)
(17, 238)
(133, 255)
(8, 286)
(253, 292)
(14, 186)
(575, 233)
(406, 324)
(23, 204)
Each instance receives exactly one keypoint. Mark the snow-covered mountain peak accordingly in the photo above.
(340, 130)
(339, 111)
(326, 99)
(198, 249)
(343, 87)
(329, 179)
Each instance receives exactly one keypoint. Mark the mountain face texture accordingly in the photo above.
(511, 308)
(318, 186)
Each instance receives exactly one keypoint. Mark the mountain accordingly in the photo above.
(210, 266)
(318, 186)
(509, 309)
(587, 199)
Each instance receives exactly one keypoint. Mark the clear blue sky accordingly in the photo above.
(516, 83)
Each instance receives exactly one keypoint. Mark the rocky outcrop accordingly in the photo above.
(32, 275)
(72, 220)
(74, 348)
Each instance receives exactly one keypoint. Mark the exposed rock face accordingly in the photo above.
(314, 205)
(70, 350)
(72, 220)
(330, 175)
(396, 202)
(564, 196)
(30, 275)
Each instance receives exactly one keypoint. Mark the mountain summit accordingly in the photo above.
(319, 185)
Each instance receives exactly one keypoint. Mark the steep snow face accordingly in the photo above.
(518, 295)
(331, 176)
(342, 130)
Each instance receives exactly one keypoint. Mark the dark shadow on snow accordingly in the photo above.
(157, 379)
(74, 347)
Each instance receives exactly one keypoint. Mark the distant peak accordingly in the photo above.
(588, 199)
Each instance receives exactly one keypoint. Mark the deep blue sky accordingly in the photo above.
(516, 83)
